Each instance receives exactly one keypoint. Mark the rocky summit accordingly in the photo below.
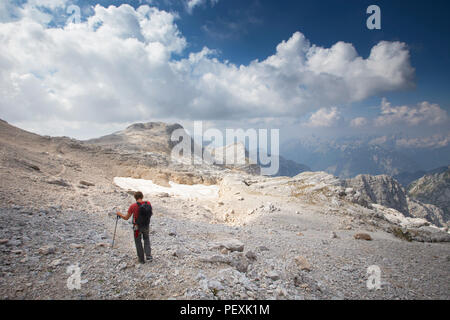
(310, 236)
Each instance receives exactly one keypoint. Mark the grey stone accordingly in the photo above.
(231, 244)
(49, 249)
(122, 266)
(273, 275)
(251, 255)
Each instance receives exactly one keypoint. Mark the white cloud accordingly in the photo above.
(379, 140)
(50, 4)
(42, 11)
(325, 117)
(121, 65)
(435, 141)
(358, 122)
(424, 113)
(146, 1)
(191, 4)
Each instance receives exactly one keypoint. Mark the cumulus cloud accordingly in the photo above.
(122, 64)
(424, 113)
(325, 117)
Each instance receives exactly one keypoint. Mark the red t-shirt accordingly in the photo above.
(134, 210)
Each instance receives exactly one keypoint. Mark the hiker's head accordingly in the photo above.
(138, 196)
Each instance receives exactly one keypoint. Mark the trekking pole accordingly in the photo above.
(117, 219)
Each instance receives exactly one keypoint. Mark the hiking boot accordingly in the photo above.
(150, 259)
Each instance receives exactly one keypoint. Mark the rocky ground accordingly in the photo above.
(279, 255)
(261, 239)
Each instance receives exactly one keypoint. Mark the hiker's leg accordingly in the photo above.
(139, 249)
(147, 247)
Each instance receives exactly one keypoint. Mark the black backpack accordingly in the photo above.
(145, 213)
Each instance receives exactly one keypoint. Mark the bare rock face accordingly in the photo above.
(383, 190)
(433, 189)
(386, 191)
(422, 234)
(428, 212)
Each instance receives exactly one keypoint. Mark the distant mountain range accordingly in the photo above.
(349, 157)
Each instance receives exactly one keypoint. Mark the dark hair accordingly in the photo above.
(138, 195)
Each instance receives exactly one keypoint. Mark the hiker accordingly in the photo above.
(141, 212)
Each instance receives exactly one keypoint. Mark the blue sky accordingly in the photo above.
(319, 69)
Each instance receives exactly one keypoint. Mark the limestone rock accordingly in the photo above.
(362, 236)
(55, 263)
(433, 188)
(303, 264)
(76, 246)
(383, 190)
(231, 245)
(273, 275)
(251, 255)
(49, 249)
(86, 183)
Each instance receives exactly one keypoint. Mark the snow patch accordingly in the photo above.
(182, 191)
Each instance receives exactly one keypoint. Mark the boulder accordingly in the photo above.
(76, 246)
(251, 255)
(302, 263)
(49, 249)
(273, 275)
(86, 183)
(231, 245)
(55, 263)
(362, 236)
(59, 182)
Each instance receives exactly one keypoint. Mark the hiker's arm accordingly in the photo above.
(123, 216)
